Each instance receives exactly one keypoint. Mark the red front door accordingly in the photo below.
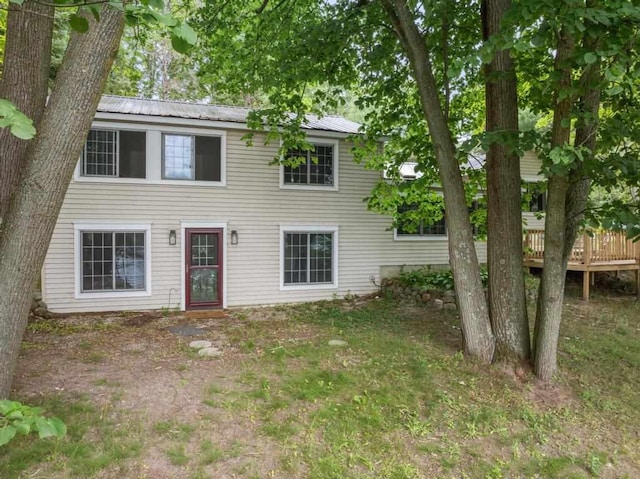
(203, 275)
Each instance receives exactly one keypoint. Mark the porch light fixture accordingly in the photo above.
(172, 237)
(234, 237)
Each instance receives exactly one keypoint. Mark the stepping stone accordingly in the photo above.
(211, 352)
(187, 330)
(337, 342)
(200, 344)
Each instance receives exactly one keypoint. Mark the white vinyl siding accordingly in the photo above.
(530, 166)
(253, 204)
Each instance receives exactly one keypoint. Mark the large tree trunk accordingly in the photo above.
(586, 135)
(51, 159)
(27, 57)
(476, 328)
(551, 295)
(576, 187)
(507, 303)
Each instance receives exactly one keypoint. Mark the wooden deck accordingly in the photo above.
(601, 251)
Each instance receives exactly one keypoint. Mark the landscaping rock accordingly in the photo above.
(438, 303)
(337, 342)
(200, 344)
(187, 330)
(41, 313)
(210, 352)
(450, 306)
(426, 297)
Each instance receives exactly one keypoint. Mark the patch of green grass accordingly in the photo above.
(94, 442)
(177, 455)
(209, 453)
(175, 430)
(311, 385)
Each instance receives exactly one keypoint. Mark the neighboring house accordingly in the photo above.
(170, 208)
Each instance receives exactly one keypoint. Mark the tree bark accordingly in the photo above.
(477, 337)
(51, 159)
(507, 300)
(586, 135)
(27, 58)
(551, 295)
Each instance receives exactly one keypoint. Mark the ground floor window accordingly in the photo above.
(112, 260)
(309, 257)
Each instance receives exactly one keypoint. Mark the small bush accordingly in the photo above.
(441, 280)
(16, 417)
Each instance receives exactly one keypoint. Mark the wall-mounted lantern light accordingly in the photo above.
(234, 237)
(172, 237)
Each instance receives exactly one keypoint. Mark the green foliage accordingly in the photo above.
(16, 417)
(442, 280)
(12, 118)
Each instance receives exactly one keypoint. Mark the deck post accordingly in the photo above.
(585, 285)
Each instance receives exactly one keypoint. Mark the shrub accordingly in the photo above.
(440, 280)
(16, 417)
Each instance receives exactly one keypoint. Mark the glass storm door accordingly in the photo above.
(204, 268)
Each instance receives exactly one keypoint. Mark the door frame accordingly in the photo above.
(202, 225)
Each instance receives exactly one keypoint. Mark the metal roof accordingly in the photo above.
(196, 111)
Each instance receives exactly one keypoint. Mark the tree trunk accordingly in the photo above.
(507, 303)
(51, 159)
(27, 57)
(551, 295)
(586, 134)
(476, 329)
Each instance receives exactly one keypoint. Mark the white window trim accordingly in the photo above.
(334, 255)
(155, 155)
(416, 237)
(184, 225)
(78, 228)
(336, 162)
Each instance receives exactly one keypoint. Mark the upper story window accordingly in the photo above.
(114, 153)
(191, 157)
(315, 168)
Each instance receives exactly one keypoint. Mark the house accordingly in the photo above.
(169, 208)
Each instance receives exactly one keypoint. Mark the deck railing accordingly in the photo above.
(599, 247)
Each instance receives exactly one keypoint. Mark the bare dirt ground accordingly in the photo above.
(134, 369)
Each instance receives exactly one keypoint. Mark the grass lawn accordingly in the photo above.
(397, 401)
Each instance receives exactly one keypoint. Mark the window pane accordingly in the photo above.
(308, 258)
(295, 175)
(94, 267)
(295, 258)
(208, 151)
(321, 171)
(419, 227)
(133, 154)
(178, 155)
(113, 261)
(100, 153)
(320, 264)
(204, 249)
